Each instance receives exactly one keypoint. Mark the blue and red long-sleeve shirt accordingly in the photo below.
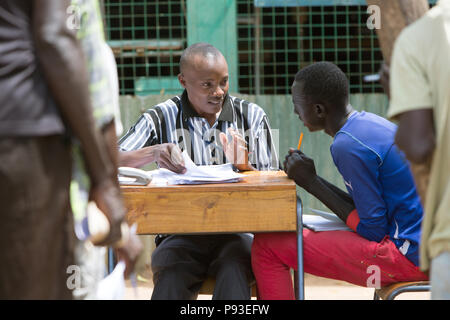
(378, 177)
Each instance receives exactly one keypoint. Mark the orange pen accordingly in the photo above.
(300, 141)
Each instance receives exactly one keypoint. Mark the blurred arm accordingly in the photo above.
(415, 135)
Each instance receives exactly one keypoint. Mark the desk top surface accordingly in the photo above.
(261, 180)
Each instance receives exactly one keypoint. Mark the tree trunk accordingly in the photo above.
(395, 15)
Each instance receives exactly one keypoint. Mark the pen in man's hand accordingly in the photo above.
(176, 156)
(300, 141)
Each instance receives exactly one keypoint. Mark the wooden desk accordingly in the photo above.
(262, 202)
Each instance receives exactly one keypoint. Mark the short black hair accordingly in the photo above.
(201, 48)
(323, 82)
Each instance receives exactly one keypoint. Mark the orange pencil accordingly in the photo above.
(300, 141)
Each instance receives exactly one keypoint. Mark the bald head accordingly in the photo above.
(204, 75)
(201, 49)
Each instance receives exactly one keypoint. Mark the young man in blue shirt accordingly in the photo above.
(381, 206)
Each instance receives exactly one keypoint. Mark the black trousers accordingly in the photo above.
(180, 264)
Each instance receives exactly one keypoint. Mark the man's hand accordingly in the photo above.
(236, 150)
(168, 155)
(108, 199)
(300, 168)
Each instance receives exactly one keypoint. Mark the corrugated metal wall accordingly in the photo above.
(279, 109)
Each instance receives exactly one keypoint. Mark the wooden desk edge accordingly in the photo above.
(253, 180)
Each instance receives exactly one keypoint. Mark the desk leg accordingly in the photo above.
(300, 272)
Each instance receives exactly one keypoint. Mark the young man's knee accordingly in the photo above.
(269, 241)
(261, 240)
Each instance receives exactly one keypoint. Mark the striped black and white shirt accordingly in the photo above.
(175, 121)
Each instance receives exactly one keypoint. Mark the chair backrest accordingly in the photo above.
(391, 291)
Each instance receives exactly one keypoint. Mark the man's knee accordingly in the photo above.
(173, 276)
(168, 255)
(232, 267)
(236, 246)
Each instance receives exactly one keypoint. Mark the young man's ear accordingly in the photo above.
(320, 110)
(182, 81)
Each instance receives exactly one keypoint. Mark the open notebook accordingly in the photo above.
(323, 221)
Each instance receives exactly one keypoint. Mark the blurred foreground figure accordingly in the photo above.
(104, 94)
(44, 97)
(420, 101)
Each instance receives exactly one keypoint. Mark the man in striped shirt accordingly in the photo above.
(214, 128)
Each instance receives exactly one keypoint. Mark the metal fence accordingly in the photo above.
(273, 43)
(147, 38)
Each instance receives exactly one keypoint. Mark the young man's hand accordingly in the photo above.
(300, 168)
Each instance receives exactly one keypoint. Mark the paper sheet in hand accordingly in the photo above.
(197, 174)
(113, 286)
(324, 221)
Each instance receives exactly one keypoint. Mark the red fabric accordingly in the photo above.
(353, 220)
(341, 255)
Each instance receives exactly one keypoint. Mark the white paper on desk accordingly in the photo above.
(324, 221)
(126, 180)
(197, 174)
(112, 287)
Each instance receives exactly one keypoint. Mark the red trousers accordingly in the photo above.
(340, 255)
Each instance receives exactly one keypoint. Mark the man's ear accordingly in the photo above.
(320, 110)
(182, 81)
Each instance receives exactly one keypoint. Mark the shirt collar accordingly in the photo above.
(189, 111)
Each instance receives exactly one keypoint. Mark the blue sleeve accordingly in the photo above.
(359, 166)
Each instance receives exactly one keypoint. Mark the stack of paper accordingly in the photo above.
(196, 174)
(324, 221)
